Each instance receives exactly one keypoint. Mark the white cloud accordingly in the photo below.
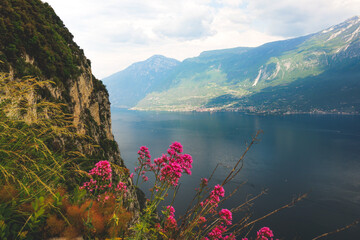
(291, 18)
(186, 20)
(116, 33)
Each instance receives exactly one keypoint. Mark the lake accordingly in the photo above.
(315, 154)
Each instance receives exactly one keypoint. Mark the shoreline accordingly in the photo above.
(248, 112)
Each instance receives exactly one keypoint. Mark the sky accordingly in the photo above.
(116, 33)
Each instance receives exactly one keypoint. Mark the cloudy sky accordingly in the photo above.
(117, 33)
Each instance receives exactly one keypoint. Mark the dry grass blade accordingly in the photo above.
(337, 230)
(291, 204)
(235, 170)
(28, 125)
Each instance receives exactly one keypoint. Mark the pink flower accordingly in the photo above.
(171, 210)
(214, 198)
(187, 161)
(177, 147)
(170, 223)
(101, 177)
(102, 168)
(132, 175)
(145, 178)
(121, 187)
(264, 233)
(217, 232)
(201, 220)
(144, 153)
(204, 182)
(172, 166)
(226, 215)
(218, 191)
(216, 194)
(229, 237)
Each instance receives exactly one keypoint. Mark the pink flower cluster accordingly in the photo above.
(101, 182)
(173, 165)
(144, 153)
(101, 177)
(103, 169)
(215, 195)
(170, 222)
(144, 162)
(204, 182)
(201, 220)
(217, 234)
(167, 168)
(171, 210)
(121, 187)
(264, 233)
(226, 215)
(219, 230)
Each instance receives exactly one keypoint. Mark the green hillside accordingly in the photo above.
(35, 42)
(234, 79)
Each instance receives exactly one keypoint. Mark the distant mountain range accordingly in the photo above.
(317, 73)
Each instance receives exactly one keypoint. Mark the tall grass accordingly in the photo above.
(29, 127)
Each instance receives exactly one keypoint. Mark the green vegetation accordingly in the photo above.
(39, 178)
(34, 41)
(191, 92)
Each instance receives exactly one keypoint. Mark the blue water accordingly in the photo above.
(315, 154)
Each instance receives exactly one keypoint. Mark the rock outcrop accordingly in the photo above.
(35, 42)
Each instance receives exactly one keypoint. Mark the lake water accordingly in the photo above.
(318, 154)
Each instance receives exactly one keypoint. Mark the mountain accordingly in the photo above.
(35, 42)
(128, 87)
(314, 73)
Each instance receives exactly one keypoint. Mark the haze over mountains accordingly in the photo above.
(314, 73)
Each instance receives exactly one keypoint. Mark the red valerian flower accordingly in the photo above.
(264, 233)
(226, 215)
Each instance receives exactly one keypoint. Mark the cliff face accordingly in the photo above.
(35, 42)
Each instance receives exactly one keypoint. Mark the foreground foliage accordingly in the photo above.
(48, 191)
(39, 178)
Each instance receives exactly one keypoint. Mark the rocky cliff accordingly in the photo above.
(35, 42)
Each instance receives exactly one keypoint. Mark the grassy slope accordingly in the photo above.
(218, 79)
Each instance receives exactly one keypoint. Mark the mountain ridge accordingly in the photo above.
(237, 79)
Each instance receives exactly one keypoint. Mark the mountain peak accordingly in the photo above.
(157, 62)
(352, 20)
(348, 30)
(158, 57)
(356, 17)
